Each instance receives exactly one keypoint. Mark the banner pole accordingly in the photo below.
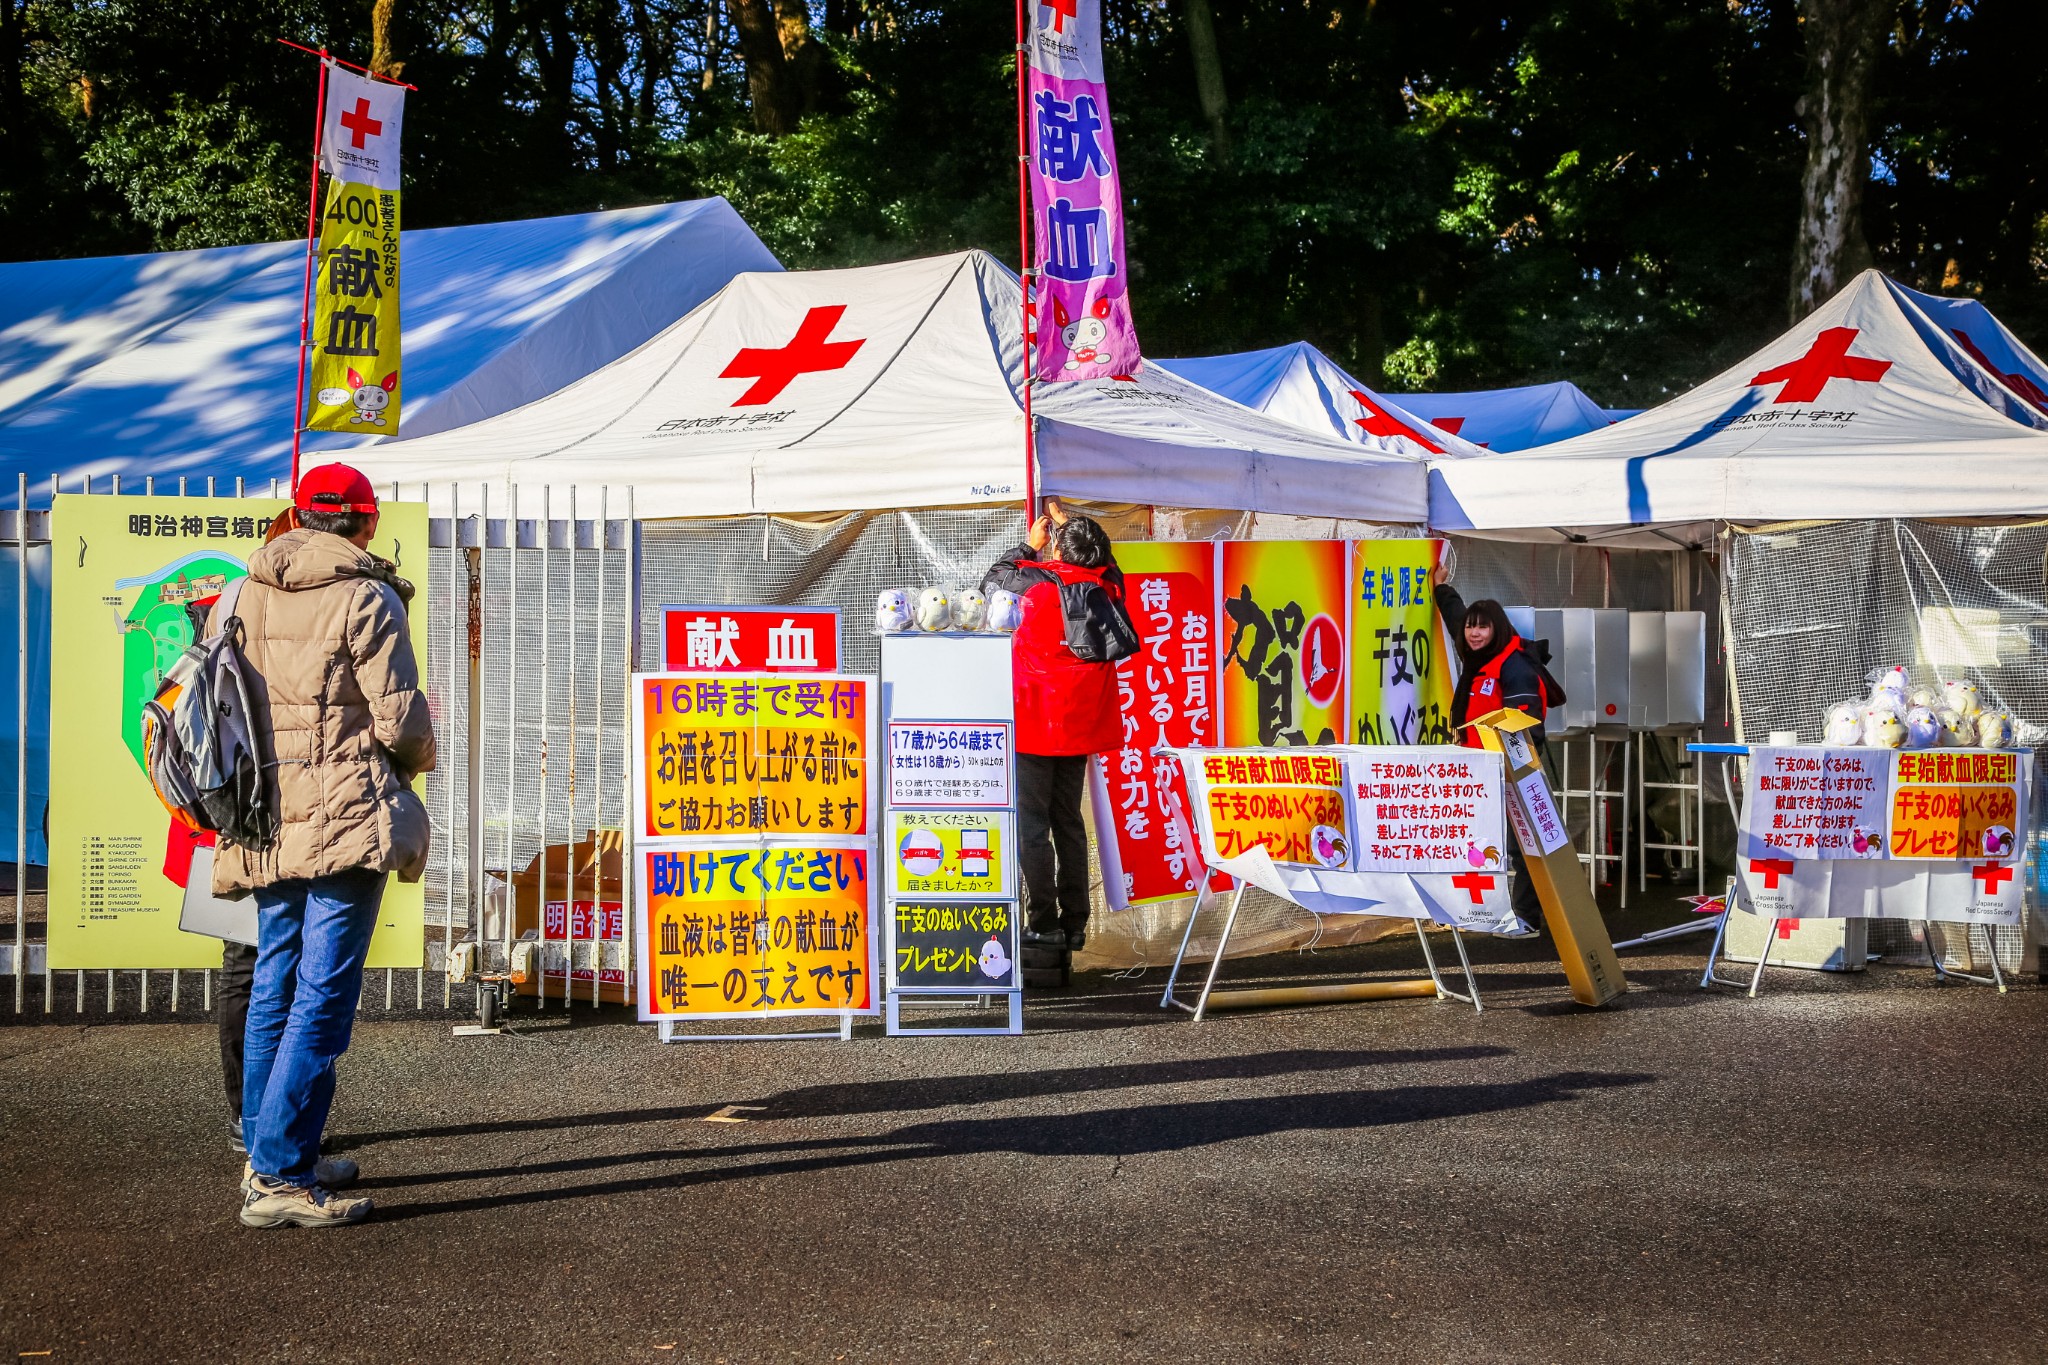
(306, 295)
(1024, 271)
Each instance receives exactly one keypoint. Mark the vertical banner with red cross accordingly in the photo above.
(354, 341)
(1285, 622)
(1166, 694)
(1083, 286)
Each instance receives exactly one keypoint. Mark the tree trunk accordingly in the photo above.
(383, 61)
(1201, 21)
(804, 54)
(771, 89)
(1843, 41)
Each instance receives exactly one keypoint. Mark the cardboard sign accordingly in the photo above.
(1813, 802)
(950, 853)
(1584, 948)
(1957, 805)
(731, 932)
(722, 639)
(1293, 806)
(752, 754)
(951, 764)
(1428, 810)
(963, 946)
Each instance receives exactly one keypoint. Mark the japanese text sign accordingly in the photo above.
(954, 946)
(1400, 683)
(1811, 802)
(950, 853)
(949, 763)
(1539, 828)
(1292, 805)
(728, 932)
(750, 639)
(1949, 804)
(354, 343)
(1428, 810)
(743, 753)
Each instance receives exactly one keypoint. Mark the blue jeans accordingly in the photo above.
(312, 939)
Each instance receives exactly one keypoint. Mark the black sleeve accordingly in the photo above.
(1520, 687)
(1017, 571)
(1451, 607)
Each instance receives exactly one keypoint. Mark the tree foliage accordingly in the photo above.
(1440, 194)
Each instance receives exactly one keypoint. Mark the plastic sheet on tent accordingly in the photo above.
(1814, 606)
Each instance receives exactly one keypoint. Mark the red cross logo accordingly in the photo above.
(1992, 875)
(1786, 926)
(1379, 422)
(359, 123)
(1772, 869)
(1062, 10)
(1473, 883)
(773, 369)
(1828, 358)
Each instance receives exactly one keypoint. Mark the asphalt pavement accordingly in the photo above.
(1847, 1168)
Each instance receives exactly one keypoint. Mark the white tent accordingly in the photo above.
(182, 362)
(1504, 420)
(1300, 384)
(894, 386)
(1868, 408)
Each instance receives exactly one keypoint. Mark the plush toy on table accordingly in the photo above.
(1923, 731)
(1843, 726)
(1961, 696)
(934, 610)
(892, 611)
(1956, 731)
(1005, 611)
(1882, 728)
(1994, 730)
(970, 609)
(1929, 697)
(1888, 688)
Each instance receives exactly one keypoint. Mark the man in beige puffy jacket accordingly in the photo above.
(324, 632)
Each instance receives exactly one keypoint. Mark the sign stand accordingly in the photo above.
(667, 1032)
(1252, 997)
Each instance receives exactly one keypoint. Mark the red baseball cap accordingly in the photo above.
(334, 488)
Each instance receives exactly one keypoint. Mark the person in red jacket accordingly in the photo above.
(1066, 711)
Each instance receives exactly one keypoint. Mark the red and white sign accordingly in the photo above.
(750, 639)
(1813, 802)
(1429, 810)
(583, 920)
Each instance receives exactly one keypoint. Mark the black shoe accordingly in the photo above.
(1053, 938)
(1077, 939)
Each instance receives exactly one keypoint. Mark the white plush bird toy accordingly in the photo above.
(1962, 697)
(1005, 611)
(1882, 728)
(1994, 730)
(1843, 727)
(1956, 732)
(970, 609)
(892, 611)
(934, 610)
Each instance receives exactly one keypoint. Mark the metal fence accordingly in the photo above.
(526, 648)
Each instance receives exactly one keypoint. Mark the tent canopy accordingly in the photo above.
(1299, 384)
(1869, 408)
(183, 362)
(1512, 419)
(894, 386)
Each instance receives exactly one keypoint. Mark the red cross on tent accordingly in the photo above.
(1473, 884)
(772, 369)
(1062, 10)
(1993, 875)
(1772, 869)
(1828, 358)
(2018, 383)
(359, 123)
(1379, 422)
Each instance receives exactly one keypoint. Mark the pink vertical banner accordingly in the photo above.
(1084, 328)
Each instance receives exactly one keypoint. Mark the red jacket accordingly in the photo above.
(1064, 705)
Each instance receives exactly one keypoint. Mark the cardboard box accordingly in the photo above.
(583, 899)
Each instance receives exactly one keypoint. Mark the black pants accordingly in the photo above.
(1053, 840)
(1527, 904)
(231, 1011)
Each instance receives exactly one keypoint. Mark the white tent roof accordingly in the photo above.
(1300, 384)
(182, 362)
(1867, 408)
(1503, 420)
(892, 386)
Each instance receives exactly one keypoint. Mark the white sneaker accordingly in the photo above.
(1522, 930)
(274, 1204)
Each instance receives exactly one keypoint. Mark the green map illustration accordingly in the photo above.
(157, 629)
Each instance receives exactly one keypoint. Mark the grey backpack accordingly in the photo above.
(205, 740)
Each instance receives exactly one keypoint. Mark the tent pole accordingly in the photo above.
(306, 296)
(1024, 271)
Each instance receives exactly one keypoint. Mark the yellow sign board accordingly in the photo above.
(1293, 806)
(739, 931)
(950, 852)
(354, 342)
(1951, 805)
(118, 619)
